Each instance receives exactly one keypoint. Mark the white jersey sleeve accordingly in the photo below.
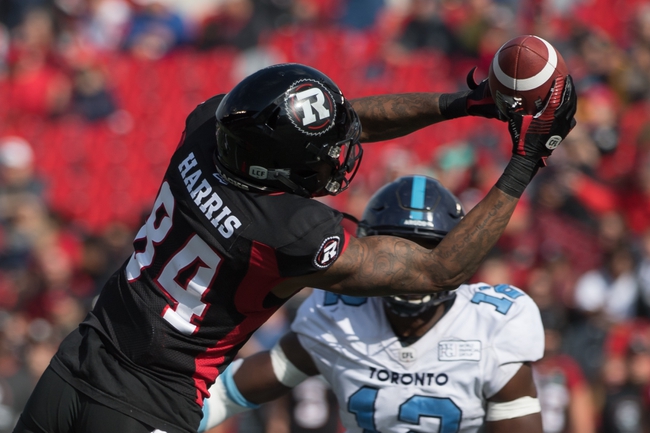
(517, 336)
(325, 330)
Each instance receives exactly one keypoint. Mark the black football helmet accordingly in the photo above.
(417, 208)
(288, 128)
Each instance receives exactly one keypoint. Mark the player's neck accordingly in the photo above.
(410, 329)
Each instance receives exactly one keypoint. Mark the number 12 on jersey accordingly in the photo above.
(362, 405)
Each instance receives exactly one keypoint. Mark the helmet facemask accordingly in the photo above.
(343, 157)
(416, 305)
(419, 209)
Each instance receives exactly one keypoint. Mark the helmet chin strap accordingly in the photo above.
(279, 175)
(294, 187)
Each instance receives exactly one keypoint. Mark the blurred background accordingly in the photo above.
(93, 98)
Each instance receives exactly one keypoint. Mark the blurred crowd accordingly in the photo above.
(93, 96)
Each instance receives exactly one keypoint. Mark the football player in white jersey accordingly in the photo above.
(448, 362)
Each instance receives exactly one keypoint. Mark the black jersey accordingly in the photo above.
(196, 287)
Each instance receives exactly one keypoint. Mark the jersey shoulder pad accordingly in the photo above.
(513, 321)
(205, 111)
(505, 299)
(322, 314)
(302, 215)
(312, 236)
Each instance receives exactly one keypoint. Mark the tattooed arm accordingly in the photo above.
(385, 117)
(383, 265)
(390, 116)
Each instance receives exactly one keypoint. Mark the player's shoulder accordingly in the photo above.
(500, 302)
(298, 219)
(299, 211)
(322, 310)
(203, 112)
(504, 317)
(333, 305)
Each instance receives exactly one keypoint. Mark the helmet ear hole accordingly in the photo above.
(272, 120)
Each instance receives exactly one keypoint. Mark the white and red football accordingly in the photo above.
(524, 69)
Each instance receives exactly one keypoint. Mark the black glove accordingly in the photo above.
(474, 102)
(534, 137)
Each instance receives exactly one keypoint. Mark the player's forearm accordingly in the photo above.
(256, 380)
(462, 251)
(383, 265)
(386, 117)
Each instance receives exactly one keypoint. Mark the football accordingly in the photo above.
(522, 73)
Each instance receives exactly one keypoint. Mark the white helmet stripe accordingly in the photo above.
(531, 83)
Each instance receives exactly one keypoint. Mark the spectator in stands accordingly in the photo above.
(626, 376)
(27, 222)
(643, 274)
(423, 29)
(235, 24)
(155, 30)
(20, 190)
(12, 12)
(601, 117)
(4, 51)
(91, 97)
(39, 85)
(565, 395)
(105, 24)
(611, 290)
(17, 174)
(635, 198)
(573, 238)
(603, 61)
(361, 14)
(637, 79)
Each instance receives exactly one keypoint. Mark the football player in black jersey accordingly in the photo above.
(233, 233)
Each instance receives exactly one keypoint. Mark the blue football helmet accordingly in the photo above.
(417, 208)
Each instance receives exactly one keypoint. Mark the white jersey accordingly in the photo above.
(438, 384)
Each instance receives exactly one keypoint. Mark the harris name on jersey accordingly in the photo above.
(206, 199)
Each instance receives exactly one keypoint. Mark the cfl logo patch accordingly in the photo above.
(310, 107)
(328, 252)
(407, 355)
(553, 142)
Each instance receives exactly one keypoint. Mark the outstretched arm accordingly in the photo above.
(385, 117)
(384, 265)
(258, 379)
(381, 265)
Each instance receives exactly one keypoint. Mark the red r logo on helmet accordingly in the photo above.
(311, 107)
